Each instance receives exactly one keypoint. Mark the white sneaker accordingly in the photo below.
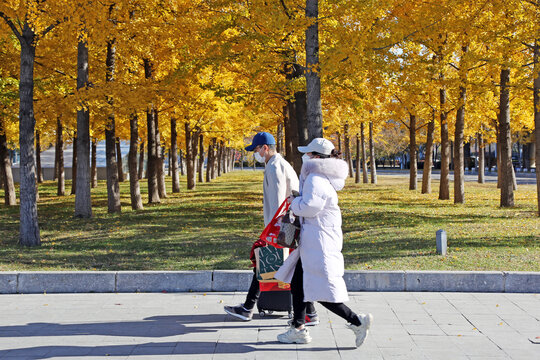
(295, 336)
(362, 331)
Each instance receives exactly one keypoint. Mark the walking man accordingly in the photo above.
(279, 181)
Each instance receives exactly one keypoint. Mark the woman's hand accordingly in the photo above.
(290, 199)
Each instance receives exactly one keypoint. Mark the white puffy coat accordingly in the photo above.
(321, 239)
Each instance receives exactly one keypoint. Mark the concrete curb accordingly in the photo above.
(239, 280)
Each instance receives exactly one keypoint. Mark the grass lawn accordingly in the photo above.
(385, 226)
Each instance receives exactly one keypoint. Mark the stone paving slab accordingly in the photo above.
(193, 326)
(8, 282)
(59, 281)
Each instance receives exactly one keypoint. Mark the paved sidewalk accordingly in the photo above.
(193, 326)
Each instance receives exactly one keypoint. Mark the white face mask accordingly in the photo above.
(305, 158)
(258, 157)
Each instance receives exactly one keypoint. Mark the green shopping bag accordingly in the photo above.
(269, 259)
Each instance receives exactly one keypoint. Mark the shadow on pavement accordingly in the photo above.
(150, 327)
(153, 349)
(153, 327)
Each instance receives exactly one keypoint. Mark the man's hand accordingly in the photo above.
(290, 199)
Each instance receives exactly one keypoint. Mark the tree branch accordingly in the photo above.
(55, 70)
(406, 37)
(50, 27)
(477, 66)
(532, 47)
(404, 124)
(11, 25)
(454, 66)
(285, 8)
(534, 3)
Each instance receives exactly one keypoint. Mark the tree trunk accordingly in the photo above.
(134, 189)
(190, 161)
(29, 228)
(294, 110)
(313, 80)
(481, 156)
(214, 155)
(532, 152)
(111, 157)
(358, 160)
(173, 165)
(444, 186)
(5, 170)
(55, 173)
(507, 190)
(201, 158)
(161, 172)
(536, 99)
(162, 191)
(428, 158)
(467, 162)
(525, 157)
(151, 164)
(514, 180)
(230, 159)
(38, 158)
(348, 154)
(209, 163)
(242, 159)
(119, 161)
(219, 157)
(182, 161)
(372, 155)
(93, 171)
(364, 162)
(222, 156)
(413, 173)
(113, 186)
(83, 203)
(489, 159)
(141, 161)
(279, 142)
(301, 118)
(499, 181)
(459, 165)
(74, 165)
(339, 141)
(61, 188)
(169, 167)
(288, 145)
(225, 160)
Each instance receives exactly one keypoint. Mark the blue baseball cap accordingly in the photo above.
(262, 138)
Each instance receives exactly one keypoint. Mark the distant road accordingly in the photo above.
(523, 178)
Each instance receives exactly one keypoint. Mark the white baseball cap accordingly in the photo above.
(319, 145)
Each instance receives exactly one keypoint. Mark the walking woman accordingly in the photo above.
(315, 269)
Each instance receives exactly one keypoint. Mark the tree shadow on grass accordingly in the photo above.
(365, 250)
(398, 219)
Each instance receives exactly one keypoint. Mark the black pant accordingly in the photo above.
(299, 306)
(254, 292)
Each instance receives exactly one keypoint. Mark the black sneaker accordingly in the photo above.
(238, 311)
(311, 320)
